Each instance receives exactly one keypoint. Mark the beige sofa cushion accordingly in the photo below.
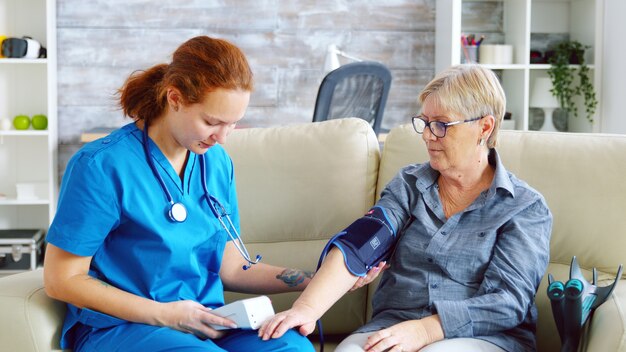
(304, 181)
(32, 321)
(297, 186)
(582, 178)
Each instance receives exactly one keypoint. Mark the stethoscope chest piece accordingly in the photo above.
(178, 212)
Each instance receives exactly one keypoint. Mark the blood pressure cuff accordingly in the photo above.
(365, 243)
(26, 48)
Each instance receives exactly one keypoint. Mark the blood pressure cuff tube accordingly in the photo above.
(365, 243)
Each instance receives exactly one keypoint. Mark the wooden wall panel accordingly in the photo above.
(100, 42)
(249, 15)
(416, 15)
(483, 16)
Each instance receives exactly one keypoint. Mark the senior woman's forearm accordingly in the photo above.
(330, 282)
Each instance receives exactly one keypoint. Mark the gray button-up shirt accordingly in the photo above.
(479, 269)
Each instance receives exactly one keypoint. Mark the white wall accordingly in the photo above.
(614, 68)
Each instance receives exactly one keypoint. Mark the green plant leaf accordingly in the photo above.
(562, 75)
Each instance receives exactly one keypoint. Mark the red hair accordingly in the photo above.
(199, 65)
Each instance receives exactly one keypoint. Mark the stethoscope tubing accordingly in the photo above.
(178, 212)
(146, 149)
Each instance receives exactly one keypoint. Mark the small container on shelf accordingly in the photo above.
(496, 54)
(5, 124)
(469, 54)
(507, 122)
(20, 250)
(31, 190)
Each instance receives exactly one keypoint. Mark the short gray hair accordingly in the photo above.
(469, 90)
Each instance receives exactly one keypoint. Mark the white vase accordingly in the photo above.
(548, 125)
(5, 124)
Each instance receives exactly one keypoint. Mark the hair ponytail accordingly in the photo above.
(140, 96)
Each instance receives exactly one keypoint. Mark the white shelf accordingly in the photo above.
(26, 133)
(13, 201)
(12, 61)
(506, 67)
(521, 19)
(29, 87)
(547, 66)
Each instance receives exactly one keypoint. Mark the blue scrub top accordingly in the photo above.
(112, 207)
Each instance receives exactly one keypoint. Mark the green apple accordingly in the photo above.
(21, 122)
(40, 122)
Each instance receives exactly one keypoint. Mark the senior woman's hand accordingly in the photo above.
(303, 316)
(299, 315)
(371, 276)
(408, 336)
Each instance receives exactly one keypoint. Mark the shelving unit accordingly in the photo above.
(28, 86)
(522, 22)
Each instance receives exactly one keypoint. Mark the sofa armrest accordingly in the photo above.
(31, 320)
(607, 329)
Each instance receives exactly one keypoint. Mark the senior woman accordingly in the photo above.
(473, 244)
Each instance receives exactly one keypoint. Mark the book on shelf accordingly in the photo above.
(95, 133)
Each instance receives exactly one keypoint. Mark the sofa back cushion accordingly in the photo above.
(297, 186)
(582, 178)
(305, 181)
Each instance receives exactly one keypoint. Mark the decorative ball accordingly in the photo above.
(21, 122)
(5, 124)
(40, 122)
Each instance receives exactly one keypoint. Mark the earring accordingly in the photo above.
(175, 107)
(481, 142)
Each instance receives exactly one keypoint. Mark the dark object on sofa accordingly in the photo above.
(574, 302)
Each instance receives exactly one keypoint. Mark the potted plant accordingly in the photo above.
(563, 76)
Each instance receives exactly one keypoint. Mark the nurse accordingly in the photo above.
(135, 249)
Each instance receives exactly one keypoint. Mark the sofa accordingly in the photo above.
(300, 184)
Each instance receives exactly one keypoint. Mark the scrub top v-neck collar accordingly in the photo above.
(164, 164)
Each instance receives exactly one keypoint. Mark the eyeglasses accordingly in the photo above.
(437, 128)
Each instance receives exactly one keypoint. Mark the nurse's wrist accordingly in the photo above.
(159, 318)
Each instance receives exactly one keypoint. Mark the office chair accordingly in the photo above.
(357, 89)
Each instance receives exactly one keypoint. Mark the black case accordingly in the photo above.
(20, 250)
(14, 47)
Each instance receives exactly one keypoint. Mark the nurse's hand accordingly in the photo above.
(192, 317)
(371, 276)
(298, 315)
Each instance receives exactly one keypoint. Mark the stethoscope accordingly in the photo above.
(178, 213)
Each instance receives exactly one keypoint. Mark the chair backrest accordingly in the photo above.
(358, 89)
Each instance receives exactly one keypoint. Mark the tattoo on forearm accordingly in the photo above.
(294, 277)
(100, 281)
